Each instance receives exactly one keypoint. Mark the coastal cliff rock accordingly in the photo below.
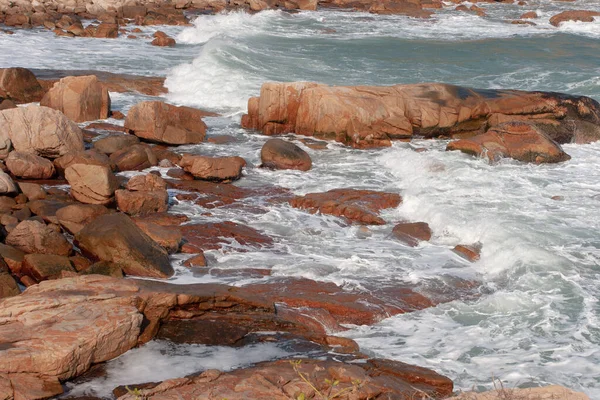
(81, 98)
(368, 116)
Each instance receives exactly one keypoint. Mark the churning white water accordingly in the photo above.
(536, 320)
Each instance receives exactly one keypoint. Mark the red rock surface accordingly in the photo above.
(360, 206)
(211, 236)
(280, 154)
(574, 15)
(412, 233)
(216, 169)
(20, 85)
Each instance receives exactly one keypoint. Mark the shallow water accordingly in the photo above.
(537, 320)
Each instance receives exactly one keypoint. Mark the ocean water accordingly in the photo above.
(536, 320)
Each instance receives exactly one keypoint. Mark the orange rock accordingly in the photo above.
(35, 237)
(211, 236)
(91, 184)
(20, 85)
(574, 15)
(470, 252)
(279, 154)
(412, 233)
(529, 15)
(218, 169)
(198, 260)
(29, 166)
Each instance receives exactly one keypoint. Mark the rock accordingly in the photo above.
(33, 191)
(20, 85)
(29, 166)
(113, 143)
(529, 15)
(412, 233)
(104, 268)
(42, 267)
(469, 252)
(8, 288)
(280, 154)
(80, 98)
(142, 202)
(146, 182)
(132, 12)
(5, 104)
(35, 237)
(217, 169)
(41, 130)
(88, 157)
(116, 238)
(162, 39)
(134, 158)
(107, 30)
(518, 140)
(162, 153)
(400, 7)
(574, 15)
(91, 184)
(13, 258)
(196, 261)
(360, 206)
(7, 185)
(75, 217)
(545, 392)
(213, 236)
(105, 126)
(160, 122)
(369, 116)
(169, 237)
(46, 209)
(217, 333)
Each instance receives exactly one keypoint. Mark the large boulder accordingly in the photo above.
(142, 202)
(20, 85)
(113, 143)
(518, 140)
(35, 237)
(29, 166)
(168, 236)
(360, 206)
(164, 123)
(7, 185)
(369, 116)
(41, 130)
(88, 157)
(218, 169)
(411, 233)
(75, 217)
(574, 15)
(280, 154)
(116, 238)
(81, 98)
(134, 158)
(400, 7)
(91, 184)
(45, 266)
(8, 285)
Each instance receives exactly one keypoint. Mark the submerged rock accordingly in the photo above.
(574, 15)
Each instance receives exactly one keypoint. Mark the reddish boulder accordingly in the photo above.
(412, 233)
(36, 237)
(20, 85)
(360, 206)
(91, 184)
(574, 15)
(164, 123)
(196, 261)
(142, 202)
(400, 7)
(219, 169)
(75, 217)
(81, 98)
(113, 143)
(29, 166)
(13, 258)
(33, 191)
(169, 237)
(529, 15)
(146, 182)
(212, 236)
(106, 30)
(88, 157)
(116, 238)
(162, 39)
(469, 252)
(42, 267)
(280, 154)
(8, 288)
(5, 104)
(134, 158)
(7, 185)
(518, 140)
(104, 268)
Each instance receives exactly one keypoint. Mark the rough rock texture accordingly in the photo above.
(369, 116)
(146, 182)
(412, 233)
(219, 169)
(134, 158)
(29, 166)
(41, 267)
(281, 380)
(36, 237)
(164, 123)
(114, 143)
(41, 130)
(169, 237)
(216, 235)
(20, 85)
(162, 39)
(8, 285)
(91, 184)
(574, 15)
(88, 157)
(142, 202)
(360, 206)
(33, 191)
(81, 98)
(519, 140)
(471, 252)
(280, 154)
(75, 217)
(400, 7)
(7, 185)
(540, 393)
(116, 238)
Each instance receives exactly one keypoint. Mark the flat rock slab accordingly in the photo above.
(360, 206)
(213, 236)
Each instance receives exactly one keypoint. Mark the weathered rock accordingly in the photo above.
(400, 7)
(29, 166)
(196, 261)
(360, 206)
(412, 233)
(163, 153)
(529, 15)
(280, 154)
(146, 182)
(5, 104)
(116, 238)
(13, 258)
(7, 185)
(75, 217)
(20, 85)
(41, 130)
(36, 237)
(33, 191)
(107, 30)
(519, 140)
(142, 202)
(169, 237)
(574, 15)
(211, 236)
(217, 333)
(104, 268)
(105, 126)
(113, 143)
(164, 123)
(134, 158)
(45, 266)
(162, 39)
(46, 209)
(470, 252)
(545, 392)
(91, 184)
(8, 288)
(87, 157)
(219, 169)
(368, 116)
(81, 98)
